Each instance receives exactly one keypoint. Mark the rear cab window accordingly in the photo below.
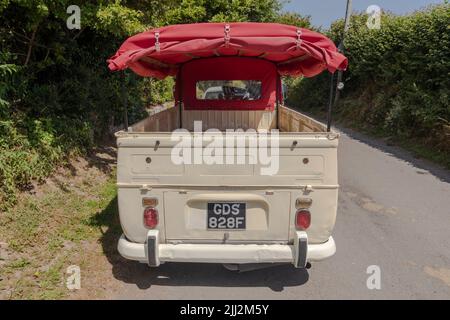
(228, 90)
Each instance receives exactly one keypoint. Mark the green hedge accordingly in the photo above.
(398, 81)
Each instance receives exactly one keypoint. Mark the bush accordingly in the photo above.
(398, 78)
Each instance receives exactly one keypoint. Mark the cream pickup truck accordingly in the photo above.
(227, 174)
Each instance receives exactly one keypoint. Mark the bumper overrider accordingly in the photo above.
(153, 252)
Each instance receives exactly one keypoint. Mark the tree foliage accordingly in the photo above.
(398, 77)
(57, 96)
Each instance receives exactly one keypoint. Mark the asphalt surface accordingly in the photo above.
(394, 213)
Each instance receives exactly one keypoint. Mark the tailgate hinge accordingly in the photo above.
(145, 187)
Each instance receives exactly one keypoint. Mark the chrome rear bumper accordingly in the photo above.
(299, 253)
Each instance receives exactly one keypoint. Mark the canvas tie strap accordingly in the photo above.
(157, 47)
(227, 35)
(299, 39)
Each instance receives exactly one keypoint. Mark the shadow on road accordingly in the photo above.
(213, 275)
(186, 274)
(422, 164)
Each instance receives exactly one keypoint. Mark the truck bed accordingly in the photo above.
(307, 168)
(166, 119)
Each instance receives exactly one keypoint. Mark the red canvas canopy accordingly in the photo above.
(294, 51)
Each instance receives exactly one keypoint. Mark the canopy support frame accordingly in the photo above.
(124, 101)
(330, 103)
(277, 103)
(180, 97)
(339, 84)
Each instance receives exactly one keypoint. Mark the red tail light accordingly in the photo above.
(302, 219)
(150, 217)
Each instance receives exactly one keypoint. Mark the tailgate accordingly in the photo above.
(266, 215)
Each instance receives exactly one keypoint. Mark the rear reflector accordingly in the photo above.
(302, 219)
(150, 217)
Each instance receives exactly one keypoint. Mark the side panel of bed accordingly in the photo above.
(293, 121)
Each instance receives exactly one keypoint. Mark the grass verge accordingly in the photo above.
(63, 223)
(420, 149)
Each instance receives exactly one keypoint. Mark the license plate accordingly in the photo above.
(226, 215)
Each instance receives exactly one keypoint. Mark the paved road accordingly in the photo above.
(394, 212)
